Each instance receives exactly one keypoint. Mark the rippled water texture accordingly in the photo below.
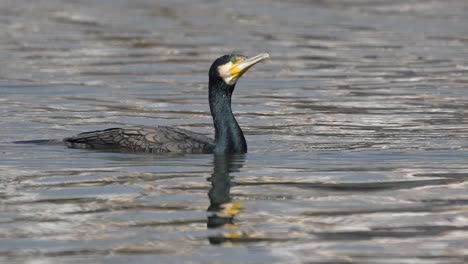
(357, 129)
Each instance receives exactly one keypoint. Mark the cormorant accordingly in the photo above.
(223, 75)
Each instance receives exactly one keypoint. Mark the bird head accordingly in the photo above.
(231, 67)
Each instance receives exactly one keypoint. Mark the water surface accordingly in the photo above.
(357, 129)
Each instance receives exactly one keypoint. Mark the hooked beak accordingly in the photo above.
(241, 67)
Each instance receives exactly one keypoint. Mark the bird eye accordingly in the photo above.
(233, 60)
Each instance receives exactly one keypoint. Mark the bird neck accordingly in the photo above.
(228, 135)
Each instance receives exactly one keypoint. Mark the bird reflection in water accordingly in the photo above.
(222, 209)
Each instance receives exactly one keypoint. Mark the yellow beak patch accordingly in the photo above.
(238, 65)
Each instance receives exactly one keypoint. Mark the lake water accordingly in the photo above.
(357, 129)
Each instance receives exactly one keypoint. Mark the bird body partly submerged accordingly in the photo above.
(159, 139)
(229, 138)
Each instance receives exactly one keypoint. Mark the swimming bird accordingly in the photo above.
(229, 138)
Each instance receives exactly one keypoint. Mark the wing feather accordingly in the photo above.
(143, 139)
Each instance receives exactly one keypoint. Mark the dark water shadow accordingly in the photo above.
(222, 209)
